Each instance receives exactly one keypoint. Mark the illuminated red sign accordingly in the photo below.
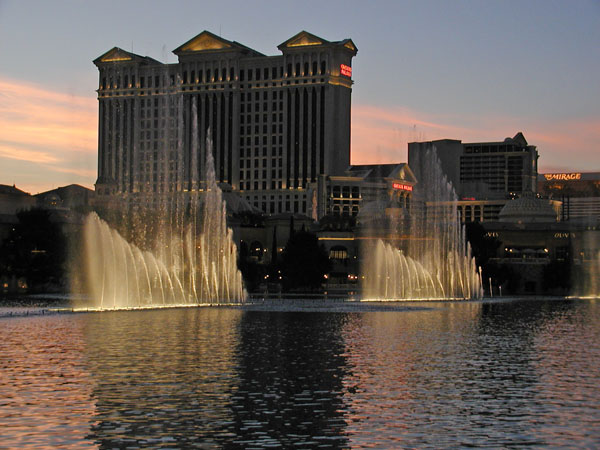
(402, 187)
(345, 70)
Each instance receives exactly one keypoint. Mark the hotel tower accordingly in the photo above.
(277, 122)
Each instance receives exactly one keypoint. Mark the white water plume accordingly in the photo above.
(191, 258)
(434, 259)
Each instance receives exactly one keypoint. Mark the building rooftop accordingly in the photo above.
(528, 209)
(372, 172)
(11, 190)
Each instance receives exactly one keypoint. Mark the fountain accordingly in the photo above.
(189, 256)
(586, 272)
(425, 253)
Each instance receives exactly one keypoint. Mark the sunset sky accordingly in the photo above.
(469, 70)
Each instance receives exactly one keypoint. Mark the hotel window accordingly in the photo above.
(297, 69)
(231, 74)
(249, 74)
(323, 67)
(289, 70)
(338, 252)
(314, 68)
(273, 72)
(242, 73)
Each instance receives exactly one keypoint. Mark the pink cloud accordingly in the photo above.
(20, 154)
(55, 133)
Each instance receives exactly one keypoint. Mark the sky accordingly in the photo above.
(470, 70)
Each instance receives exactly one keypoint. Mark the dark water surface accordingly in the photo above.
(523, 373)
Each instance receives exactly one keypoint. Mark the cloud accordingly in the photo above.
(21, 154)
(55, 133)
(382, 134)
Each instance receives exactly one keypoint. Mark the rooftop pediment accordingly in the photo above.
(303, 39)
(350, 45)
(116, 55)
(205, 41)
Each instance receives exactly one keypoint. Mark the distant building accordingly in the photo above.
(533, 243)
(277, 122)
(579, 193)
(485, 174)
(66, 205)
(344, 195)
(12, 200)
(67, 197)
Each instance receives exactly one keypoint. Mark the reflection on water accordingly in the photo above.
(45, 389)
(290, 370)
(477, 374)
(161, 378)
(449, 375)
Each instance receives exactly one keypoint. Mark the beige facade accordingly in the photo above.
(277, 122)
(486, 170)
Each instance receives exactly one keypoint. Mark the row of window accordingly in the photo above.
(274, 163)
(248, 152)
(214, 75)
(494, 148)
(275, 129)
(247, 141)
(247, 174)
(343, 191)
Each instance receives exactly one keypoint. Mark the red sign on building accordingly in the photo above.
(402, 187)
(345, 70)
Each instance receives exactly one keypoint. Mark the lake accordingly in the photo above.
(496, 373)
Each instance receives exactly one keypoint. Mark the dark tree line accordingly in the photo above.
(302, 265)
(35, 249)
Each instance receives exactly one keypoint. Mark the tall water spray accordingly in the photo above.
(586, 273)
(185, 253)
(425, 255)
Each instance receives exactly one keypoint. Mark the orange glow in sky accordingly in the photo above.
(49, 139)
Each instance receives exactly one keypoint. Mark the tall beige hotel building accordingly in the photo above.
(277, 122)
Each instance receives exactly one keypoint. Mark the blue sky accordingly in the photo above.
(470, 70)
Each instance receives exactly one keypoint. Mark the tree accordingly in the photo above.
(304, 262)
(34, 249)
(252, 271)
(557, 277)
(483, 246)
